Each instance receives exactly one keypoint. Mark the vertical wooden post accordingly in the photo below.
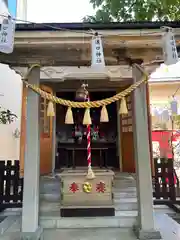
(145, 228)
(23, 129)
(150, 129)
(30, 211)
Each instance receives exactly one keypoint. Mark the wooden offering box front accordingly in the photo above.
(86, 197)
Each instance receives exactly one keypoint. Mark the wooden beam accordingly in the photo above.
(75, 57)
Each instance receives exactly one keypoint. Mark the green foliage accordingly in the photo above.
(134, 10)
(177, 121)
(6, 116)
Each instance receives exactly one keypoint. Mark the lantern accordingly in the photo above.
(81, 93)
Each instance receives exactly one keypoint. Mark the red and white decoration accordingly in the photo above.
(89, 146)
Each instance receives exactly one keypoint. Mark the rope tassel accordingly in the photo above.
(123, 106)
(87, 117)
(90, 174)
(93, 104)
(69, 116)
(104, 115)
(50, 109)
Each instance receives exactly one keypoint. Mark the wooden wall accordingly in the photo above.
(46, 133)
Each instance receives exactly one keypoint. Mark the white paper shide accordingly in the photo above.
(169, 46)
(7, 35)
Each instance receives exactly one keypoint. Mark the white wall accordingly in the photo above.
(21, 12)
(11, 89)
(3, 7)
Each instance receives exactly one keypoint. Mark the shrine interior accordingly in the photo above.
(71, 140)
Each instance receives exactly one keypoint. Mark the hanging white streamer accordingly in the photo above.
(169, 46)
(7, 34)
(97, 53)
(174, 106)
(165, 115)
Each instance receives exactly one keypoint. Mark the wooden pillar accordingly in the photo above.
(144, 228)
(30, 211)
(150, 129)
(23, 129)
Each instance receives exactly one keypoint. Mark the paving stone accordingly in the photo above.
(95, 234)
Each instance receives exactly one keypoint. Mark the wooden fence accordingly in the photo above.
(165, 182)
(11, 185)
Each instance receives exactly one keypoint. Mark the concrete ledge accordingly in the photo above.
(38, 235)
(146, 234)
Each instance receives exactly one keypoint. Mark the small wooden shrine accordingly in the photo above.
(115, 65)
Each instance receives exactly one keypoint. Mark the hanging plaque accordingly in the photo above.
(97, 53)
(7, 35)
(169, 47)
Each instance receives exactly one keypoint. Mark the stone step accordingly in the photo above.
(123, 220)
(125, 180)
(124, 207)
(128, 178)
(128, 189)
(51, 197)
(126, 204)
(124, 175)
(125, 200)
(124, 185)
(89, 234)
(46, 206)
(49, 185)
(118, 195)
(121, 176)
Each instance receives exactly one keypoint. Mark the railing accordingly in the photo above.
(165, 180)
(11, 185)
(165, 184)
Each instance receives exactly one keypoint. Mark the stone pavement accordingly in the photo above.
(89, 234)
(169, 229)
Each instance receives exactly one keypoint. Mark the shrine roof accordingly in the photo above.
(95, 26)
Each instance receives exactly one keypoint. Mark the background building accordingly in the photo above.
(10, 96)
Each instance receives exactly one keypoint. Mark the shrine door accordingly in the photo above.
(46, 134)
(127, 143)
